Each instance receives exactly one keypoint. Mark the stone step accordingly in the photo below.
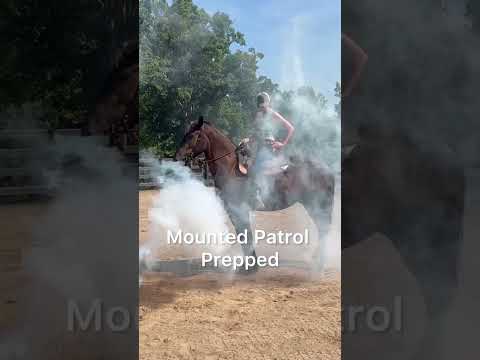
(146, 162)
(15, 172)
(28, 138)
(36, 132)
(21, 146)
(144, 170)
(189, 267)
(146, 178)
(16, 143)
(21, 181)
(16, 152)
(25, 190)
(13, 162)
(11, 259)
(148, 186)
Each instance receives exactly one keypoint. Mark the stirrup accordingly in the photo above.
(243, 169)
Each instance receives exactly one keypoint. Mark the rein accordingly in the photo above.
(220, 157)
(204, 163)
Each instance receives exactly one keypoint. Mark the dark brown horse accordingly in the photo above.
(410, 190)
(416, 199)
(304, 182)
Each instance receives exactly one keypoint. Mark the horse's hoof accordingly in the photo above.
(249, 271)
(142, 266)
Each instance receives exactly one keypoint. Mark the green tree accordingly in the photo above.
(60, 53)
(187, 68)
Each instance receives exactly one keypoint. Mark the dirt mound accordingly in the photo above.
(278, 314)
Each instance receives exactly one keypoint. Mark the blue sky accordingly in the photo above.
(300, 39)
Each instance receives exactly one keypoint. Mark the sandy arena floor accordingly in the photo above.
(275, 314)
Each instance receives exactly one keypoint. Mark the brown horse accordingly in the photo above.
(305, 182)
(416, 199)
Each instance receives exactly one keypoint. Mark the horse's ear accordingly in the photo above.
(200, 121)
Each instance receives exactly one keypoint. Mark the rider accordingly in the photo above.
(265, 143)
(354, 60)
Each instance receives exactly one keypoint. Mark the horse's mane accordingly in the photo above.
(211, 127)
(219, 132)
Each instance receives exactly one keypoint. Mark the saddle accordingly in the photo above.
(243, 154)
(244, 162)
(242, 169)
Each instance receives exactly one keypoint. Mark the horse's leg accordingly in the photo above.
(319, 207)
(434, 263)
(239, 215)
(238, 209)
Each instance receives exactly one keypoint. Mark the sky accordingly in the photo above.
(300, 39)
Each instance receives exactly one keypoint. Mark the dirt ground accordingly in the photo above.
(14, 246)
(276, 314)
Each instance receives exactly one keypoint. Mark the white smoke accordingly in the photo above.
(292, 68)
(184, 204)
(333, 248)
(318, 134)
(78, 240)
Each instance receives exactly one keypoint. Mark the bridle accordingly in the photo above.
(203, 163)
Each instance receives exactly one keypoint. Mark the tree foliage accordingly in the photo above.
(188, 68)
(60, 53)
(473, 12)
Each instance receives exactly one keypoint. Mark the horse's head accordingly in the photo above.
(194, 143)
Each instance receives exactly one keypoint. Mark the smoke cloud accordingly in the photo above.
(183, 204)
(317, 136)
(80, 247)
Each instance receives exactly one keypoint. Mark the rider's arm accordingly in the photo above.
(359, 60)
(290, 129)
